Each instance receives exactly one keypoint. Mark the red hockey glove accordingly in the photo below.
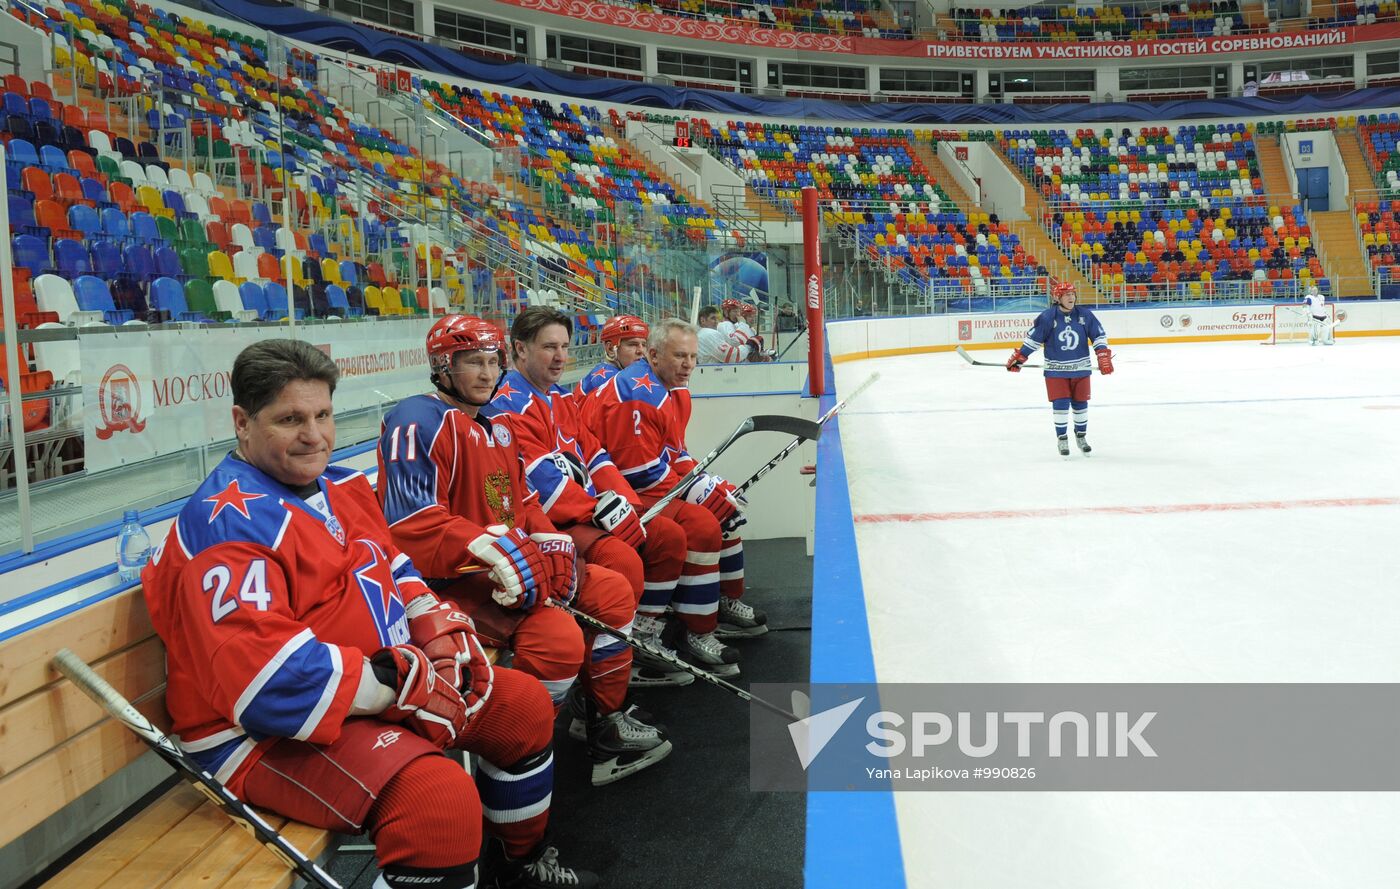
(1014, 363)
(448, 638)
(422, 701)
(1105, 361)
(615, 515)
(561, 564)
(517, 566)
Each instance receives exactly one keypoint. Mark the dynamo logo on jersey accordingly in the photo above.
(383, 601)
(1069, 338)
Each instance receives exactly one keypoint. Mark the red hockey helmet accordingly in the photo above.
(748, 310)
(461, 333)
(1060, 288)
(624, 327)
(730, 303)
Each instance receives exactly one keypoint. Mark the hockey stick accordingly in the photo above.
(120, 709)
(970, 360)
(821, 421)
(693, 670)
(795, 337)
(805, 429)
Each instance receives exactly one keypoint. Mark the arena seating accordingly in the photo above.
(838, 16)
(872, 183)
(1109, 22)
(1158, 207)
(1350, 13)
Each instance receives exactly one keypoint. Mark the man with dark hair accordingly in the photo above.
(311, 669)
(715, 347)
(583, 495)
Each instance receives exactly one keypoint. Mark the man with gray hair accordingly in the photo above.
(640, 415)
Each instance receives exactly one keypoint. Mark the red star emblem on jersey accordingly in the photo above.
(645, 382)
(600, 372)
(231, 497)
(505, 391)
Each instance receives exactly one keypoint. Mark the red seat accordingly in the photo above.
(36, 413)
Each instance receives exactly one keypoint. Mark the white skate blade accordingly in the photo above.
(731, 631)
(646, 676)
(610, 770)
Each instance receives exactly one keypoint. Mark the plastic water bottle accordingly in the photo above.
(133, 547)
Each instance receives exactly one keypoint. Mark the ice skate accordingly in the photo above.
(1083, 442)
(648, 669)
(709, 654)
(540, 869)
(738, 619)
(1063, 445)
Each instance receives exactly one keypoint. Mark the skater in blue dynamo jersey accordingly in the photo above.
(1066, 332)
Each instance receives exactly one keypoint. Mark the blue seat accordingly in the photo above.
(84, 219)
(277, 302)
(168, 296)
(106, 259)
(15, 104)
(339, 303)
(253, 297)
(32, 253)
(144, 229)
(138, 264)
(52, 158)
(22, 214)
(167, 263)
(114, 224)
(71, 258)
(94, 190)
(93, 296)
(20, 153)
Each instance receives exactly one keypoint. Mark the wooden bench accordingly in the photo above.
(56, 744)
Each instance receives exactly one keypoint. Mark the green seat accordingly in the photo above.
(195, 263)
(192, 234)
(109, 168)
(199, 295)
(167, 229)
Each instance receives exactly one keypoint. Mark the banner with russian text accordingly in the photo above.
(736, 31)
(153, 392)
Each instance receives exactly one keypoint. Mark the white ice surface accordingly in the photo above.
(1050, 575)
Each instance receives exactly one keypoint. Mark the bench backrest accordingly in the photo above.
(55, 743)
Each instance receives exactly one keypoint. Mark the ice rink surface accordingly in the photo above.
(1238, 521)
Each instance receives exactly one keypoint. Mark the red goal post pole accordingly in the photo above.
(812, 275)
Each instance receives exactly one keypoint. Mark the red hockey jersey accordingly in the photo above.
(550, 435)
(268, 606)
(443, 477)
(642, 425)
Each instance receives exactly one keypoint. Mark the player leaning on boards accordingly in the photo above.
(311, 669)
(1319, 330)
(1066, 332)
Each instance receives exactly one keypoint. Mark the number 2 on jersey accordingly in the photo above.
(253, 590)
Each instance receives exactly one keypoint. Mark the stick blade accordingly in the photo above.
(963, 353)
(809, 430)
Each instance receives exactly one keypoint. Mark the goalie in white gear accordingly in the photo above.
(1319, 326)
